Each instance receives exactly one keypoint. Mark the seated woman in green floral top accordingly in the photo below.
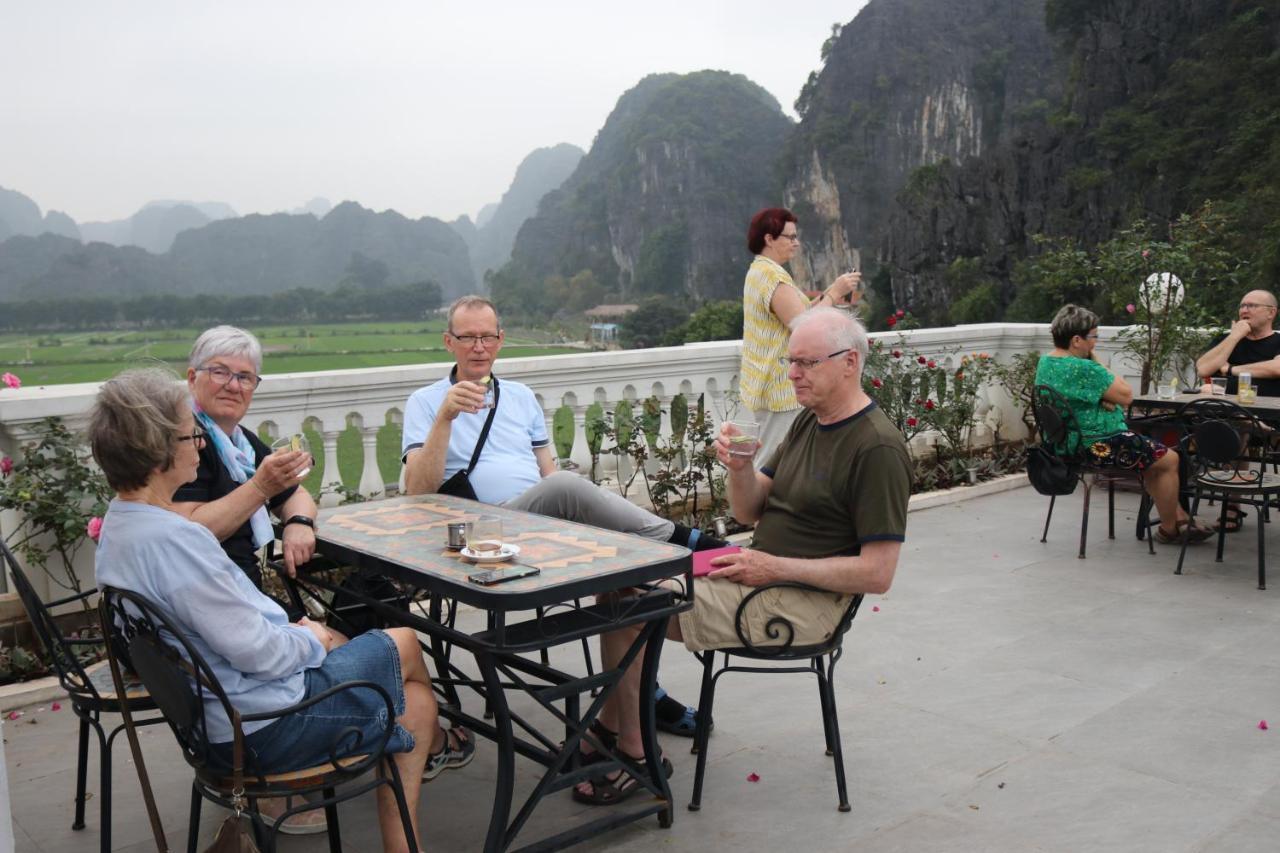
(1097, 398)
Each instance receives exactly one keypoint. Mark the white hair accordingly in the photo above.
(226, 341)
(841, 330)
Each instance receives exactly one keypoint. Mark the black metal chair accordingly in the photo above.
(1060, 434)
(1225, 442)
(819, 659)
(181, 682)
(89, 689)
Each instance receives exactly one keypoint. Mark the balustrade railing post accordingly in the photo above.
(371, 482)
(331, 475)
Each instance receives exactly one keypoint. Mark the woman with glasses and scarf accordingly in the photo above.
(770, 301)
(240, 481)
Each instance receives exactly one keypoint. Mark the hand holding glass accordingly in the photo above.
(289, 443)
(744, 438)
(1219, 384)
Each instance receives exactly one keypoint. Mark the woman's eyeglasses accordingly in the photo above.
(199, 437)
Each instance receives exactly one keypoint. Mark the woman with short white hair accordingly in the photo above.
(240, 481)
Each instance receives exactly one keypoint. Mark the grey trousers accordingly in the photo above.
(570, 497)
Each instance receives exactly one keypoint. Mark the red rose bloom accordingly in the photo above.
(912, 422)
(922, 359)
(897, 353)
(929, 405)
(931, 364)
(891, 322)
(901, 314)
(876, 383)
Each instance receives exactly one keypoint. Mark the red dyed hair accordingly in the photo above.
(770, 222)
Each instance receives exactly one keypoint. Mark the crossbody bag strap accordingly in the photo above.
(484, 433)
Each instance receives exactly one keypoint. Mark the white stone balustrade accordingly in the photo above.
(368, 398)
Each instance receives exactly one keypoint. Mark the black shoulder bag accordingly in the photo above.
(1049, 473)
(459, 485)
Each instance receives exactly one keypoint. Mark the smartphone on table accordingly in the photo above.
(489, 577)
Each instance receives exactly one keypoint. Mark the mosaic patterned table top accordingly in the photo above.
(410, 532)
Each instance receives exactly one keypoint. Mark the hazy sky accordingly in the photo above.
(425, 107)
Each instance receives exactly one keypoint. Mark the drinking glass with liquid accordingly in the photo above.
(1246, 391)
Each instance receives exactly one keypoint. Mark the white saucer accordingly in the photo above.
(506, 552)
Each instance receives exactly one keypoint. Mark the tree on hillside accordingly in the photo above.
(650, 323)
(715, 321)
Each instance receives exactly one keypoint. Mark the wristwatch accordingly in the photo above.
(300, 519)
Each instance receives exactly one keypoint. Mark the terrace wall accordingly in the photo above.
(368, 398)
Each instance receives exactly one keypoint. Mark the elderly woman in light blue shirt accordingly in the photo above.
(145, 439)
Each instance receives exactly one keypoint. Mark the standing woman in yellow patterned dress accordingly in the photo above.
(770, 301)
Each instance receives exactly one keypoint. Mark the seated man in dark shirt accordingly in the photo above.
(1251, 346)
(830, 509)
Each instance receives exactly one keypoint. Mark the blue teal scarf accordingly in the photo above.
(237, 456)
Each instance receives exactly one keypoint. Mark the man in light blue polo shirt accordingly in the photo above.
(442, 423)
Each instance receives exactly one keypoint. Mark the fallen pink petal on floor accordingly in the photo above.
(753, 777)
(56, 706)
(13, 715)
(875, 609)
(1263, 725)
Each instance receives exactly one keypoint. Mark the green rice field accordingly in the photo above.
(61, 358)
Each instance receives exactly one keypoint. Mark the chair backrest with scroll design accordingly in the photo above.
(1220, 432)
(179, 680)
(779, 628)
(62, 650)
(1056, 423)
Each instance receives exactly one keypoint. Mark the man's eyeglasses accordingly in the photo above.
(223, 376)
(470, 340)
(1252, 305)
(807, 363)
(199, 437)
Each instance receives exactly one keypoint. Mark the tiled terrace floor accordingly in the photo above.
(1005, 697)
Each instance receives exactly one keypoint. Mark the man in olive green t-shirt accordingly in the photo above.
(830, 509)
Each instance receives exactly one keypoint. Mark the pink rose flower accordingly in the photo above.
(1146, 253)
(931, 363)
(900, 314)
(11, 380)
(94, 528)
(6, 465)
(1130, 308)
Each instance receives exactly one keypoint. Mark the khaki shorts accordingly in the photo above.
(710, 624)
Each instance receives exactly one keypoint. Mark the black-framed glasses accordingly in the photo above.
(470, 340)
(223, 376)
(808, 363)
(794, 238)
(1252, 305)
(199, 437)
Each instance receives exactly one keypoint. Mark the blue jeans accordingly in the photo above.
(347, 723)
